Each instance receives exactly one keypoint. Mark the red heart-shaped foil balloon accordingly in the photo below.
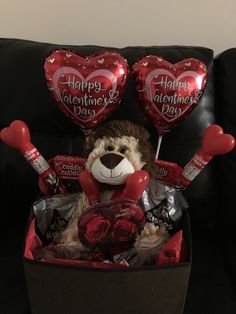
(87, 89)
(17, 135)
(215, 142)
(169, 92)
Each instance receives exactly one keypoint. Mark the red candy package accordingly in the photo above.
(68, 169)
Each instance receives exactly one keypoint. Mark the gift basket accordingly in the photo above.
(110, 231)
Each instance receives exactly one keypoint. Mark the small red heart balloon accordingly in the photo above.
(215, 142)
(169, 92)
(87, 89)
(17, 135)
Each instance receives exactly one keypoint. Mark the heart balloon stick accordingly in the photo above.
(18, 136)
(158, 146)
(214, 142)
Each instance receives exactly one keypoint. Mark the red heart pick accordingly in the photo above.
(169, 92)
(171, 250)
(215, 142)
(87, 89)
(17, 135)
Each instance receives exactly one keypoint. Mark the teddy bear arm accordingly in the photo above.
(136, 184)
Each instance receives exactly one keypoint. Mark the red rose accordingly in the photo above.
(97, 230)
(124, 231)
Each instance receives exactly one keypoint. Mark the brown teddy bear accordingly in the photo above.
(116, 152)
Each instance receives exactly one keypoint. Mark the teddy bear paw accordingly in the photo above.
(150, 241)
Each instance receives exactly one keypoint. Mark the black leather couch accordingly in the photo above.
(24, 95)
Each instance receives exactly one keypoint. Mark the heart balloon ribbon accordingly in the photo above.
(87, 89)
(214, 142)
(168, 92)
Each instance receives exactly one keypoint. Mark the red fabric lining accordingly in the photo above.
(32, 241)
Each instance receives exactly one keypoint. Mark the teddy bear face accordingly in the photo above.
(114, 158)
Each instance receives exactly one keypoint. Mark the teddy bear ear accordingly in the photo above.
(143, 136)
(89, 143)
(146, 135)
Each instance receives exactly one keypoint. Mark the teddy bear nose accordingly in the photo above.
(111, 160)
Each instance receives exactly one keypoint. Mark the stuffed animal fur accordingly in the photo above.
(129, 149)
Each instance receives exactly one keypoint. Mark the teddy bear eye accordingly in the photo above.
(109, 148)
(123, 149)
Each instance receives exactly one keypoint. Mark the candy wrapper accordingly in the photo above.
(53, 214)
(163, 205)
(67, 169)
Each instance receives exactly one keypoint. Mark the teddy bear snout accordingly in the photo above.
(111, 160)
